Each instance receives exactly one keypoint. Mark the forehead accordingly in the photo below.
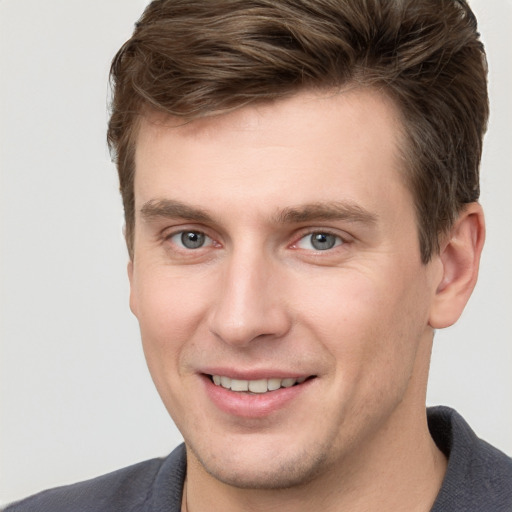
(314, 111)
(306, 148)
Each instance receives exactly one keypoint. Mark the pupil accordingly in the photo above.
(192, 239)
(323, 241)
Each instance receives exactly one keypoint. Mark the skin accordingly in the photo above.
(357, 318)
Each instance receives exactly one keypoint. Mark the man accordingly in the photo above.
(300, 183)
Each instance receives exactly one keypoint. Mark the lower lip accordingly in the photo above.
(247, 405)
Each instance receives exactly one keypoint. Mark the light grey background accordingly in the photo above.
(76, 398)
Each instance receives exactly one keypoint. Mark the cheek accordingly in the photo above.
(370, 323)
(169, 310)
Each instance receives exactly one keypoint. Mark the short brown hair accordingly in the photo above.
(192, 58)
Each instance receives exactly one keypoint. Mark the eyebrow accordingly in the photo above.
(172, 209)
(313, 212)
(335, 210)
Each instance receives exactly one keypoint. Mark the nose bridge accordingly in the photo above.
(248, 304)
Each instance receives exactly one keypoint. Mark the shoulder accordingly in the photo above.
(141, 487)
(478, 476)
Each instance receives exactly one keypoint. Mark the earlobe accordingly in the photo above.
(460, 259)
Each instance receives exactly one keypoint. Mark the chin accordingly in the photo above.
(251, 470)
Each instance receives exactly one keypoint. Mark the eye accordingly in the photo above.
(191, 239)
(319, 241)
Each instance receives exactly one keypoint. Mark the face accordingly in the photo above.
(277, 280)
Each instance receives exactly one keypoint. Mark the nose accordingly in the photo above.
(251, 302)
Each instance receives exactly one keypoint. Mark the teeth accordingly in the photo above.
(273, 384)
(255, 386)
(239, 385)
(288, 383)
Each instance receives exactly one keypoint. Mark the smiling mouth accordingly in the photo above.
(259, 386)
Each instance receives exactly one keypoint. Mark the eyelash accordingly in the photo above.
(336, 239)
(209, 240)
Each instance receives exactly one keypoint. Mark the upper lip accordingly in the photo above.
(254, 374)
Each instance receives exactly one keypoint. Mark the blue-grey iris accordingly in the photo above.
(323, 241)
(192, 239)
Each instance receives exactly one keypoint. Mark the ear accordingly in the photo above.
(133, 302)
(460, 259)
